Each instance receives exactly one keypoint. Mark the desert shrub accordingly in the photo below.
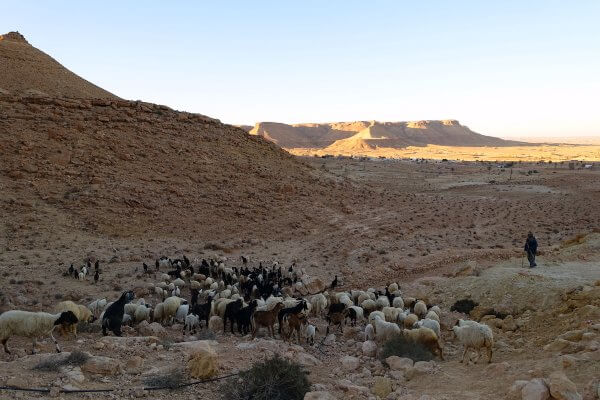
(171, 379)
(54, 363)
(86, 327)
(578, 239)
(402, 347)
(272, 379)
(205, 335)
(464, 306)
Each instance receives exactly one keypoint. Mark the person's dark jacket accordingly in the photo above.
(531, 245)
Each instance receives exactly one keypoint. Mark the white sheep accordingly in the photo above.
(437, 310)
(97, 306)
(345, 299)
(429, 323)
(182, 312)
(393, 287)
(410, 320)
(33, 325)
(398, 302)
(362, 297)
(159, 313)
(420, 309)
(475, 336)
(360, 313)
(382, 301)
(130, 308)
(162, 285)
(165, 277)
(310, 334)
(391, 313)
(376, 314)
(171, 304)
(195, 285)
(176, 292)
(385, 330)
(192, 322)
(142, 314)
(432, 315)
(82, 313)
(319, 304)
(369, 332)
(427, 338)
(369, 305)
(179, 282)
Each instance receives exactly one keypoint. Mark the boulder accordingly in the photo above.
(514, 392)
(153, 329)
(509, 324)
(203, 362)
(399, 363)
(306, 360)
(369, 348)
(102, 366)
(319, 395)
(535, 389)
(314, 285)
(561, 388)
(196, 345)
(564, 346)
(349, 363)
(382, 387)
(329, 340)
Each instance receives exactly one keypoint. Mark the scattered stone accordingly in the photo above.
(329, 340)
(349, 363)
(399, 363)
(153, 329)
(306, 360)
(369, 348)
(134, 362)
(319, 395)
(561, 388)
(514, 392)
(535, 390)
(102, 366)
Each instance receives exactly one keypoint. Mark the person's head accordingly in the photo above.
(530, 234)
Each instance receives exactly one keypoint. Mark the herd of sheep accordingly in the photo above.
(251, 299)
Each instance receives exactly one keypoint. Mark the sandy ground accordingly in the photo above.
(443, 231)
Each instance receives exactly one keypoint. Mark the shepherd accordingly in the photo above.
(531, 249)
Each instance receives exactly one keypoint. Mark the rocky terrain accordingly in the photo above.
(91, 176)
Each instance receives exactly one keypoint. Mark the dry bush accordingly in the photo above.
(53, 364)
(172, 379)
(403, 347)
(273, 379)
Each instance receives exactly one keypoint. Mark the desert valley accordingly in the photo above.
(361, 222)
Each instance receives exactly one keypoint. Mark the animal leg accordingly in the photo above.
(4, 341)
(55, 342)
(490, 352)
(464, 354)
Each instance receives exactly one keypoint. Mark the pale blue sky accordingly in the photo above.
(505, 68)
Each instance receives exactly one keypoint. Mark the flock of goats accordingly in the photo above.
(249, 298)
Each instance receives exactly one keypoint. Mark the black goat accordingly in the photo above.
(231, 310)
(243, 318)
(464, 306)
(291, 310)
(113, 316)
(203, 310)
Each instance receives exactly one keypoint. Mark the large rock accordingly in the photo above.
(369, 348)
(561, 388)
(349, 363)
(509, 324)
(153, 329)
(564, 346)
(399, 363)
(314, 285)
(196, 345)
(382, 387)
(319, 395)
(535, 390)
(514, 392)
(203, 362)
(102, 366)
(306, 360)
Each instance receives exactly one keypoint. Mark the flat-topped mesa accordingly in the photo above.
(350, 137)
(14, 36)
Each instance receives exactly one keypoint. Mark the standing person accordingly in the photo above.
(531, 249)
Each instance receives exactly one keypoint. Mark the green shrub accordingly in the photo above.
(273, 379)
(402, 347)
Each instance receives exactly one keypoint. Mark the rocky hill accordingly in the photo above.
(27, 70)
(82, 159)
(343, 137)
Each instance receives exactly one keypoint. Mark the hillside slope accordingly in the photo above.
(25, 69)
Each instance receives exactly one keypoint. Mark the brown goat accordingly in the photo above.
(266, 319)
(294, 323)
(337, 318)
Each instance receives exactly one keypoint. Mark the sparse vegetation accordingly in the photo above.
(273, 379)
(55, 363)
(401, 347)
(171, 379)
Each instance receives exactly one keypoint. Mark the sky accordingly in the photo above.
(503, 68)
